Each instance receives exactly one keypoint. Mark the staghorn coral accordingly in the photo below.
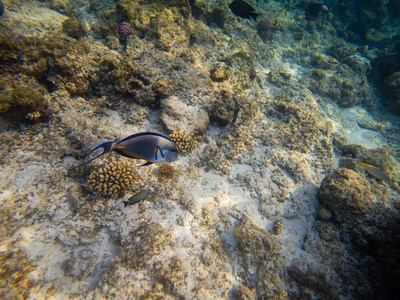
(183, 141)
(113, 178)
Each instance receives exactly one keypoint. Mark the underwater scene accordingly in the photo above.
(199, 149)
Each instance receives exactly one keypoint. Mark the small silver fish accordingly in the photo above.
(376, 172)
(150, 146)
(137, 198)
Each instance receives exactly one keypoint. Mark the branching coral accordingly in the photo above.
(113, 179)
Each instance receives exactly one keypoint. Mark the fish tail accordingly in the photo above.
(106, 147)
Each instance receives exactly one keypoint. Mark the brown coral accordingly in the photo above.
(113, 179)
(183, 141)
(166, 171)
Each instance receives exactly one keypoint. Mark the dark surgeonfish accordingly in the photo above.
(243, 9)
(150, 146)
(316, 11)
(137, 198)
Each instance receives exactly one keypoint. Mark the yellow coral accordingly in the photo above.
(183, 141)
(113, 179)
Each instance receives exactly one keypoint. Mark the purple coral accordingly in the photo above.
(264, 27)
(125, 31)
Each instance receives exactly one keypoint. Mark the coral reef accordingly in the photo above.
(242, 217)
(22, 99)
(113, 178)
(220, 72)
(178, 116)
(14, 269)
(144, 242)
(391, 88)
(183, 141)
(277, 227)
(166, 171)
(259, 251)
(225, 108)
(125, 31)
(255, 244)
(169, 30)
(371, 224)
(74, 27)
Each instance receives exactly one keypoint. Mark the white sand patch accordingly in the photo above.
(357, 125)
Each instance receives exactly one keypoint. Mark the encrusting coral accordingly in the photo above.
(113, 178)
(183, 141)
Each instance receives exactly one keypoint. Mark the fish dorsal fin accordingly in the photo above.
(143, 134)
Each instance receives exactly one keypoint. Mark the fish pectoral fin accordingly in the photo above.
(147, 164)
(158, 150)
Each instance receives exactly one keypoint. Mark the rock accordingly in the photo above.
(324, 214)
(22, 99)
(224, 108)
(241, 292)
(74, 28)
(348, 195)
(391, 87)
(358, 63)
(177, 116)
(255, 244)
(373, 225)
(220, 72)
